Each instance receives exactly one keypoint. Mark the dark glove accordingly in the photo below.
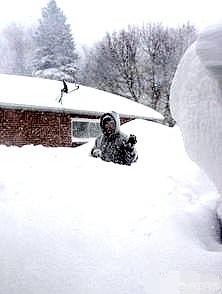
(129, 144)
(132, 140)
(96, 153)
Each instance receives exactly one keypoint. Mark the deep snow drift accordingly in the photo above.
(71, 223)
(196, 101)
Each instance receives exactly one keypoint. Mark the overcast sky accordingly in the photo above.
(90, 19)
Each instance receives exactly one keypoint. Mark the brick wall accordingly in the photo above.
(21, 127)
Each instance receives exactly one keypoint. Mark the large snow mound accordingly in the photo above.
(71, 223)
(196, 102)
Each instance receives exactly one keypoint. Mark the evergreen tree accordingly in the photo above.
(54, 56)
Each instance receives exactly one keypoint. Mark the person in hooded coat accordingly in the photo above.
(113, 145)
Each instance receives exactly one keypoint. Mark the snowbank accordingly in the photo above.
(196, 102)
(71, 223)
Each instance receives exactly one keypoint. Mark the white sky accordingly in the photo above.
(91, 19)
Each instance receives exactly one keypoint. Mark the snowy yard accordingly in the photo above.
(71, 223)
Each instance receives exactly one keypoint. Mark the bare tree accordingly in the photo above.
(113, 64)
(123, 48)
(162, 49)
(16, 48)
(138, 63)
(158, 54)
(96, 69)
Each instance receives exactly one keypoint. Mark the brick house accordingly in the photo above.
(34, 117)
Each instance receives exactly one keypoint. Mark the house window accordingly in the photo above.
(84, 129)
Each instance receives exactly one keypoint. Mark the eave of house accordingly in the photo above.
(71, 112)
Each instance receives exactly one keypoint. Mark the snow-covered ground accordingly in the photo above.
(71, 223)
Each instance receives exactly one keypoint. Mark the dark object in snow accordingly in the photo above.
(65, 87)
(132, 140)
(63, 90)
(66, 91)
(113, 145)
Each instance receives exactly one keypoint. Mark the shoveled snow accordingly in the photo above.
(44, 93)
(71, 223)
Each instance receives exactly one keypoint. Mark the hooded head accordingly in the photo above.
(110, 123)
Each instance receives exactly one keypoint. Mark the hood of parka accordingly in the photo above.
(113, 116)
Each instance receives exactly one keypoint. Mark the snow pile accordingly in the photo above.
(196, 102)
(71, 223)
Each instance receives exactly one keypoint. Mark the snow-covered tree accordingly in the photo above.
(138, 63)
(111, 64)
(162, 49)
(54, 56)
(16, 49)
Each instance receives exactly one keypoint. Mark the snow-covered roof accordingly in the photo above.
(42, 93)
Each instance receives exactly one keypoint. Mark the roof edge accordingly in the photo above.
(71, 111)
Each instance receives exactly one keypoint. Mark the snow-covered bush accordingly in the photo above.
(54, 74)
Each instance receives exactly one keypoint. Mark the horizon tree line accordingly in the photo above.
(138, 62)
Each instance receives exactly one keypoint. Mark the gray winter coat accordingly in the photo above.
(114, 147)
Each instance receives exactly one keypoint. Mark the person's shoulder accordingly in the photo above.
(99, 138)
(121, 137)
